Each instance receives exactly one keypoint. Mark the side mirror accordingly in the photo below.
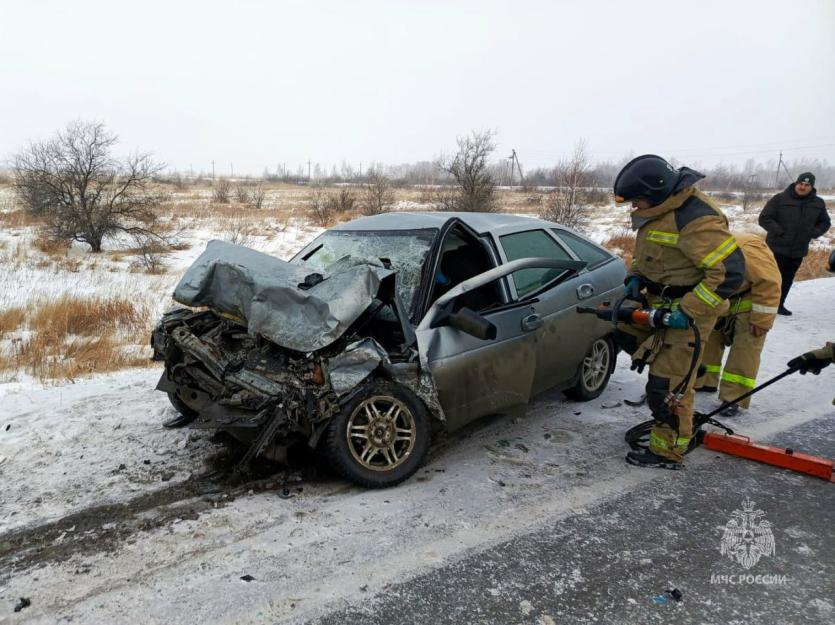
(470, 322)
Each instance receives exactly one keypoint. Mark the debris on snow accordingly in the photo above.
(24, 602)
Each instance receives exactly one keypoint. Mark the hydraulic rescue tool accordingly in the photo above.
(729, 442)
(632, 315)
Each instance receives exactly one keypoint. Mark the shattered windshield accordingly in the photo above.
(405, 249)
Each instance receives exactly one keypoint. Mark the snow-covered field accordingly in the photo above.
(99, 442)
(103, 519)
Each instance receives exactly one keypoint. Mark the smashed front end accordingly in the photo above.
(269, 351)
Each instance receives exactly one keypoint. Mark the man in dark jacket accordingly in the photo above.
(792, 219)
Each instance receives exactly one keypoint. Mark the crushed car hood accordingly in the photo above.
(283, 302)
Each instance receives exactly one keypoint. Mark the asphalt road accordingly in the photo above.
(614, 563)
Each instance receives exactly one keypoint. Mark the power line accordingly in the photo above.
(708, 152)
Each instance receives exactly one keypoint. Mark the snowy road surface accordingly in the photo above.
(101, 521)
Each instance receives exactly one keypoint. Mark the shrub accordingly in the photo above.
(220, 191)
(622, 244)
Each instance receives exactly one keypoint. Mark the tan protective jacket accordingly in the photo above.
(685, 242)
(760, 292)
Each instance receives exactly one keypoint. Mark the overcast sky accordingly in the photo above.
(262, 83)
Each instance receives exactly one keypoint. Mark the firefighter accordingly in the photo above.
(687, 262)
(751, 314)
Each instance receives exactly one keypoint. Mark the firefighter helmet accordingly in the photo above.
(648, 176)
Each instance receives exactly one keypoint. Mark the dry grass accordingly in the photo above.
(48, 357)
(50, 246)
(622, 244)
(72, 337)
(11, 319)
(18, 218)
(814, 265)
(87, 317)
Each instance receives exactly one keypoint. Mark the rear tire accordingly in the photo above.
(380, 437)
(595, 371)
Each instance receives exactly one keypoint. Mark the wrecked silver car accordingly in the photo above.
(384, 331)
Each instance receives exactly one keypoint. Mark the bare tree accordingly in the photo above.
(238, 231)
(342, 202)
(242, 194)
(151, 254)
(176, 179)
(321, 206)
(751, 197)
(378, 193)
(258, 196)
(83, 192)
(221, 191)
(470, 169)
(564, 204)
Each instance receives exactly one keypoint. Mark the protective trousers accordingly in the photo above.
(740, 373)
(669, 354)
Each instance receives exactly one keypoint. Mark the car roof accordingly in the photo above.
(480, 222)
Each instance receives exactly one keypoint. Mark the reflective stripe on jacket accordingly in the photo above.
(761, 288)
(686, 241)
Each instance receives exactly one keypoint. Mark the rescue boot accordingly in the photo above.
(730, 411)
(650, 460)
(782, 310)
(707, 389)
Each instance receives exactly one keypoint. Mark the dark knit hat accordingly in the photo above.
(807, 176)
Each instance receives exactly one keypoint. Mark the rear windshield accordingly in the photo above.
(406, 250)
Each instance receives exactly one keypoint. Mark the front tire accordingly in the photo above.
(380, 437)
(186, 416)
(594, 372)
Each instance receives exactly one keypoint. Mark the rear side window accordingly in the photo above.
(586, 251)
(532, 244)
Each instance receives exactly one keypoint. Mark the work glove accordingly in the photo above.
(676, 320)
(814, 361)
(634, 284)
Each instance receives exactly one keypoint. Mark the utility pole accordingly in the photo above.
(782, 163)
(514, 163)
(213, 171)
(777, 175)
(518, 166)
(308, 171)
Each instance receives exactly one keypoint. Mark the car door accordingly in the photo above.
(559, 344)
(475, 377)
(601, 281)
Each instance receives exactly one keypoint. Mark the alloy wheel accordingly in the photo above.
(381, 433)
